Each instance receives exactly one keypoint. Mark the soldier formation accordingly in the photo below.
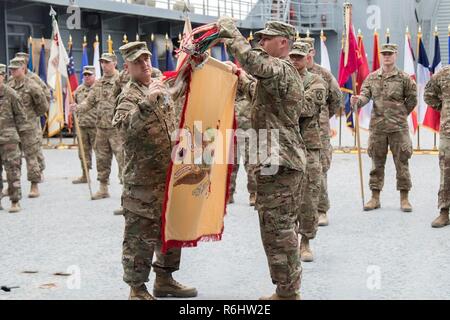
(131, 115)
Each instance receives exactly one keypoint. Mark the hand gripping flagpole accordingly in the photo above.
(347, 21)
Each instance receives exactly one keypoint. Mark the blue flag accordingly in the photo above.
(449, 50)
(437, 64)
(224, 53)
(84, 61)
(347, 90)
(43, 76)
(170, 64)
(154, 51)
(30, 52)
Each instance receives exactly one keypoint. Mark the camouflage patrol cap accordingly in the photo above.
(277, 28)
(110, 57)
(389, 47)
(17, 63)
(300, 49)
(133, 50)
(309, 40)
(23, 55)
(2, 69)
(90, 70)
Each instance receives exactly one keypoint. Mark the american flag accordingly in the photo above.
(71, 71)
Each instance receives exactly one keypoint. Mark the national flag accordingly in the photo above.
(347, 89)
(363, 71)
(408, 59)
(30, 52)
(96, 64)
(325, 63)
(423, 76)
(432, 118)
(72, 85)
(84, 60)
(57, 69)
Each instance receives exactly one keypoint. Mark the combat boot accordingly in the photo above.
(140, 293)
(252, 199)
(118, 212)
(442, 220)
(15, 207)
(405, 206)
(374, 202)
(306, 254)
(323, 219)
(80, 180)
(166, 286)
(275, 296)
(102, 193)
(34, 191)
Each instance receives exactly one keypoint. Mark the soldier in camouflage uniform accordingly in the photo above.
(315, 98)
(33, 76)
(277, 105)
(437, 95)
(124, 77)
(36, 105)
(334, 102)
(86, 121)
(107, 140)
(245, 149)
(145, 119)
(394, 97)
(12, 120)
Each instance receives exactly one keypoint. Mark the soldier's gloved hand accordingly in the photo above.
(354, 102)
(226, 27)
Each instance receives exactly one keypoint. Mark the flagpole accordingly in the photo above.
(419, 36)
(347, 19)
(340, 127)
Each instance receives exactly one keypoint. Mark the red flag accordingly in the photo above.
(365, 112)
(376, 52)
(351, 59)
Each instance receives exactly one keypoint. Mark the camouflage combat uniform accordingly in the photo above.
(87, 125)
(315, 97)
(146, 130)
(277, 105)
(13, 119)
(36, 105)
(107, 139)
(437, 95)
(124, 77)
(244, 148)
(394, 97)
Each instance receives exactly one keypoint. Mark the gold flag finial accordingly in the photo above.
(407, 29)
(297, 36)
(42, 41)
(125, 39)
(359, 33)
(307, 33)
(30, 39)
(449, 30)
(250, 37)
(137, 37)
(179, 38)
(96, 38)
(152, 37)
(84, 40)
(436, 31)
(420, 30)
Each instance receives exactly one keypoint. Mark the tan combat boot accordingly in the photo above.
(34, 191)
(374, 202)
(278, 297)
(118, 212)
(252, 199)
(102, 193)
(442, 220)
(166, 286)
(306, 254)
(15, 207)
(405, 206)
(140, 293)
(80, 180)
(323, 219)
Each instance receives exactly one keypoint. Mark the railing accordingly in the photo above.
(311, 14)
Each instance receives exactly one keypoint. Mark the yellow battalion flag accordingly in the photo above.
(110, 45)
(198, 177)
(57, 69)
